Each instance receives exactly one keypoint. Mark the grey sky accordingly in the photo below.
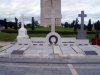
(31, 8)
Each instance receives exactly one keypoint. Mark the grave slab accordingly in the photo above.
(24, 48)
(57, 50)
(39, 49)
(96, 46)
(67, 50)
(15, 47)
(6, 47)
(89, 48)
(90, 53)
(17, 52)
(78, 50)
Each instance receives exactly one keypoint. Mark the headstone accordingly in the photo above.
(53, 38)
(22, 32)
(82, 33)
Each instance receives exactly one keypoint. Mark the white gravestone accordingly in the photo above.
(82, 34)
(22, 32)
(53, 36)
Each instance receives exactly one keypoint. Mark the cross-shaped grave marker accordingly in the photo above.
(82, 15)
(82, 34)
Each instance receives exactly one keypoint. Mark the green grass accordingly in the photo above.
(12, 37)
(7, 36)
(49, 29)
(0, 46)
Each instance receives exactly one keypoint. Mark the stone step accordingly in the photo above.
(96, 46)
(78, 50)
(24, 48)
(57, 50)
(6, 47)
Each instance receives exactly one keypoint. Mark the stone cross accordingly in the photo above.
(53, 17)
(22, 19)
(82, 15)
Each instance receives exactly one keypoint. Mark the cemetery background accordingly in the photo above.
(66, 31)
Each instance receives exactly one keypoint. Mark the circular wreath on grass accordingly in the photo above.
(51, 38)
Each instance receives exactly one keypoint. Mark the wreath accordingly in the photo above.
(51, 38)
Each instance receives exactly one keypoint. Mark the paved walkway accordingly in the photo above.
(36, 66)
(3, 43)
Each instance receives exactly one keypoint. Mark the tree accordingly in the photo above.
(76, 24)
(5, 24)
(19, 24)
(72, 24)
(15, 26)
(36, 23)
(85, 27)
(97, 25)
(66, 24)
(32, 23)
(89, 27)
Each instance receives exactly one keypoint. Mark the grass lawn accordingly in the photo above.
(49, 29)
(12, 37)
(0, 46)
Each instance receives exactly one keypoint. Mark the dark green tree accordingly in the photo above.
(66, 24)
(76, 25)
(36, 23)
(97, 25)
(32, 23)
(72, 24)
(89, 27)
(15, 26)
(5, 24)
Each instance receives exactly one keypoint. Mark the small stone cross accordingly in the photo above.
(82, 15)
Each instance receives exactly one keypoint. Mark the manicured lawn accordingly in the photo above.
(0, 46)
(12, 37)
(49, 29)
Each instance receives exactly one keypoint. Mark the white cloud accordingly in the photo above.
(31, 8)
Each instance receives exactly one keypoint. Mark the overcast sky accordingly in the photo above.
(31, 8)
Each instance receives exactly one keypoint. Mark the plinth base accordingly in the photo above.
(81, 35)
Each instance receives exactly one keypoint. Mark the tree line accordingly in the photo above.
(17, 24)
(75, 24)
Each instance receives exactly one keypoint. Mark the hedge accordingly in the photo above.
(45, 32)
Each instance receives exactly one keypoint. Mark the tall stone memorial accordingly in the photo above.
(82, 33)
(46, 9)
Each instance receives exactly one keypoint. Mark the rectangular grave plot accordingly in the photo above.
(90, 53)
(17, 52)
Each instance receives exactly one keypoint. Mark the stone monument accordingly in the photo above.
(82, 33)
(22, 32)
(53, 38)
(46, 9)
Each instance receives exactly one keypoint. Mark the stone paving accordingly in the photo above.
(52, 64)
(37, 66)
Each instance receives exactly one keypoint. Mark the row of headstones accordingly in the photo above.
(81, 34)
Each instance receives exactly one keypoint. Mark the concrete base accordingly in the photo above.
(81, 35)
(22, 34)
